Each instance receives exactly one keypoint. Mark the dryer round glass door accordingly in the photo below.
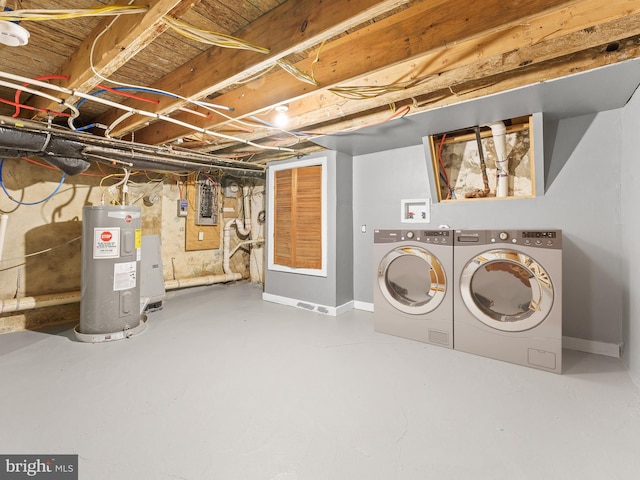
(506, 290)
(412, 280)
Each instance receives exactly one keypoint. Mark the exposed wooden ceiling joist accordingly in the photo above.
(418, 54)
(113, 43)
(449, 57)
(290, 28)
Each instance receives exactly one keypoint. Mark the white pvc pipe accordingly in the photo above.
(246, 242)
(499, 132)
(41, 301)
(226, 246)
(56, 299)
(244, 231)
(4, 219)
(199, 281)
(244, 228)
(103, 101)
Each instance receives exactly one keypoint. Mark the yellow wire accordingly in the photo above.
(39, 15)
(296, 72)
(211, 38)
(365, 92)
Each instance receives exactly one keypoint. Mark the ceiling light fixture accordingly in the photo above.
(282, 119)
(12, 34)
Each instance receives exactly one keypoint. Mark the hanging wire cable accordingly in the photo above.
(296, 72)
(39, 15)
(209, 37)
(365, 92)
(40, 252)
(119, 106)
(4, 189)
(206, 105)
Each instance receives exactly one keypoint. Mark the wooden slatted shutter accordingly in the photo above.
(298, 217)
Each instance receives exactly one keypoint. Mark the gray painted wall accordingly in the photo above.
(582, 161)
(337, 287)
(630, 206)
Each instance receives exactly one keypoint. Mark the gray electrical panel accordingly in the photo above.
(110, 289)
(206, 202)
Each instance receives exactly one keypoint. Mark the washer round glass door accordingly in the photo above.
(506, 290)
(412, 280)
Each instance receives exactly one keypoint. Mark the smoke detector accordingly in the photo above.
(12, 34)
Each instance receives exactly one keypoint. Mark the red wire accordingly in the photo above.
(128, 95)
(57, 169)
(29, 107)
(43, 77)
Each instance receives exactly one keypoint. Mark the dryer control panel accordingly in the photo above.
(529, 238)
(550, 239)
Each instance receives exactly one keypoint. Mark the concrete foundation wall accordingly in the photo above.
(57, 223)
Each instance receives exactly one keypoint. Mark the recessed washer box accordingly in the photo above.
(415, 210)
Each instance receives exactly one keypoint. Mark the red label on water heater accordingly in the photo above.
(127, 219)
(106, 243)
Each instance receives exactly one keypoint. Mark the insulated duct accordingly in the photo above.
(72, 152)
(65, 155)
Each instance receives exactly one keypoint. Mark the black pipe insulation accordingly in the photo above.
(72, 151)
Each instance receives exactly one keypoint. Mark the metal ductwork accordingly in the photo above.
(72, 152)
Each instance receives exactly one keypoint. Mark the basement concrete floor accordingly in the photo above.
(225, 386)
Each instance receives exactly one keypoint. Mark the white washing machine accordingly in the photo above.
(413, 292)
(508, 299)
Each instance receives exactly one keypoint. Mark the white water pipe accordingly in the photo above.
(29, 303)
(56, 299)
(104, 101)
(200, 281)
(244, 228)
(499, 132)
(4, 219)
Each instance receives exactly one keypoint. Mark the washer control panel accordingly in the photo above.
(434, 237)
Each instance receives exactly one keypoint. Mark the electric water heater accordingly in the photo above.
(110, 288)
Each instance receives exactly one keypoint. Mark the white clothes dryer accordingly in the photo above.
(413, 292)
(508, 300)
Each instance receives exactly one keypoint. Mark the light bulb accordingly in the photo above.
(281, 119)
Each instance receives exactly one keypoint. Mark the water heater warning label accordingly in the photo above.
(106, 242)
(124, 276)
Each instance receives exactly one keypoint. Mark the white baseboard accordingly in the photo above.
(591, 346)
(312, 307)
(366, 306)
(571, 343)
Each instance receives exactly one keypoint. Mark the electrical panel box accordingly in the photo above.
(206, 202)
(183, 208)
